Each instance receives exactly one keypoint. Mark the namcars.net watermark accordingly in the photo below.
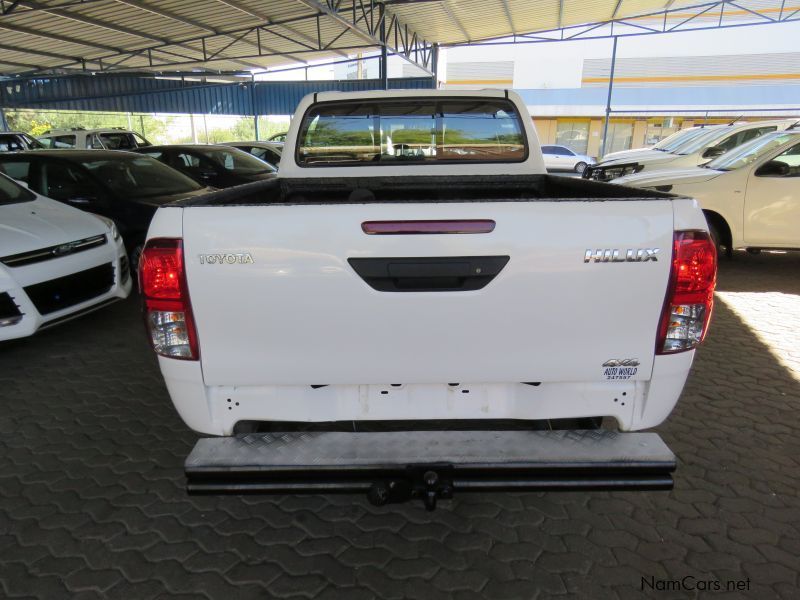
(690, 583)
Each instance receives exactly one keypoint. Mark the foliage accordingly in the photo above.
(159, 129)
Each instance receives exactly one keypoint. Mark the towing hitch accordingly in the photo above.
(428, 483)
(398, 466)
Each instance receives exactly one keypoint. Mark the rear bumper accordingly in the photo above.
(398, 466)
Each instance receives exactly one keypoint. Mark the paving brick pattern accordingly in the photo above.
(92, 502)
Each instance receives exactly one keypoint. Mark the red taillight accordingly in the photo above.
(690, 295)
(168, 313)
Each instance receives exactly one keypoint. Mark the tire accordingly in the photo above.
(716, 236)
(580, 168)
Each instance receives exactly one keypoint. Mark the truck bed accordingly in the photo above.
(418, 189)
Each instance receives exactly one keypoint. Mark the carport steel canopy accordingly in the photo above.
(64, 36)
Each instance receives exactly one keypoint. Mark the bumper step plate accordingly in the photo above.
(429, 465)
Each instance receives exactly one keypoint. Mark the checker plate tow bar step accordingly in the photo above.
(398, 466)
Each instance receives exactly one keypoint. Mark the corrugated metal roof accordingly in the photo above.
(40, 36)
(127, 93)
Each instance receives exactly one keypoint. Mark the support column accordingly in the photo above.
(384, 64)
(253, 104)
(435, 66)
(608, 99)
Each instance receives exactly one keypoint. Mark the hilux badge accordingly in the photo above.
(226, 258)
(605, 255)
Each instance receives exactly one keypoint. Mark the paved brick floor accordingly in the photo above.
(92, 501)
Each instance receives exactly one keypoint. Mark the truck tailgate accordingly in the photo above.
(292, 309)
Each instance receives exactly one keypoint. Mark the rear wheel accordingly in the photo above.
(580, 168)
(716, 236)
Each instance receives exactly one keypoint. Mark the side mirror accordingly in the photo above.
(713, 152)
(773, 168)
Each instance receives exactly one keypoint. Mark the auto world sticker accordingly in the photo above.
(616, 369)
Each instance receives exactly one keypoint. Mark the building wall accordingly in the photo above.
(662, 83)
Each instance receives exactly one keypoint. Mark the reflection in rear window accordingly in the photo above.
(386, 132)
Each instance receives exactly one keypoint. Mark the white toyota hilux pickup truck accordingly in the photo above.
(414, 308)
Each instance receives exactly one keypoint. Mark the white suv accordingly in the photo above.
(112, 138)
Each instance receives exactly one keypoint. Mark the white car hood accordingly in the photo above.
(653, 157)
(633, 153)
(27, 226)
(669, 177)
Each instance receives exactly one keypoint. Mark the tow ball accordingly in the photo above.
(426, 483)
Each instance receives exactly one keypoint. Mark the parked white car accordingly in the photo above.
(750, 195)
(56, 262)
(267, 151)
(112, 138)
(561, 158)
(692, 152)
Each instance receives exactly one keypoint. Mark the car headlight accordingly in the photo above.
(111, 225)
(608, 173)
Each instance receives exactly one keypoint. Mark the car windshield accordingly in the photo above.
(747, 154)
(13, 193)
(139, 176)
(237, 161)
(703, 141)
(677, 139)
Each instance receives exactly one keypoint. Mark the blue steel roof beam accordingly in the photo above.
(752, 12)
(116, 53)
(14, 28)
(259, 14)
(108, 67)
(161, 12)
(66, 14)
(38, 52)
(507, 10)
(346, 16)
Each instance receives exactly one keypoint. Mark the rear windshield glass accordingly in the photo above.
(679, 138)
(12, 193)
(139, 176)
(380, 133)
(119, 141)
(236, 161)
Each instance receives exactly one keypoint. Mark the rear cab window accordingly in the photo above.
(384, 132)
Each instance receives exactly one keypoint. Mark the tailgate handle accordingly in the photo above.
(428, 274)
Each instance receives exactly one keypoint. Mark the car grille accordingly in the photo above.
(9, 311)
(42, 254)
(56, 294)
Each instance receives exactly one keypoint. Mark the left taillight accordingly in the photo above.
(168, 312)
(690, 295)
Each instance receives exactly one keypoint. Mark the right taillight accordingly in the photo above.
(168, 313)
(690, 294)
